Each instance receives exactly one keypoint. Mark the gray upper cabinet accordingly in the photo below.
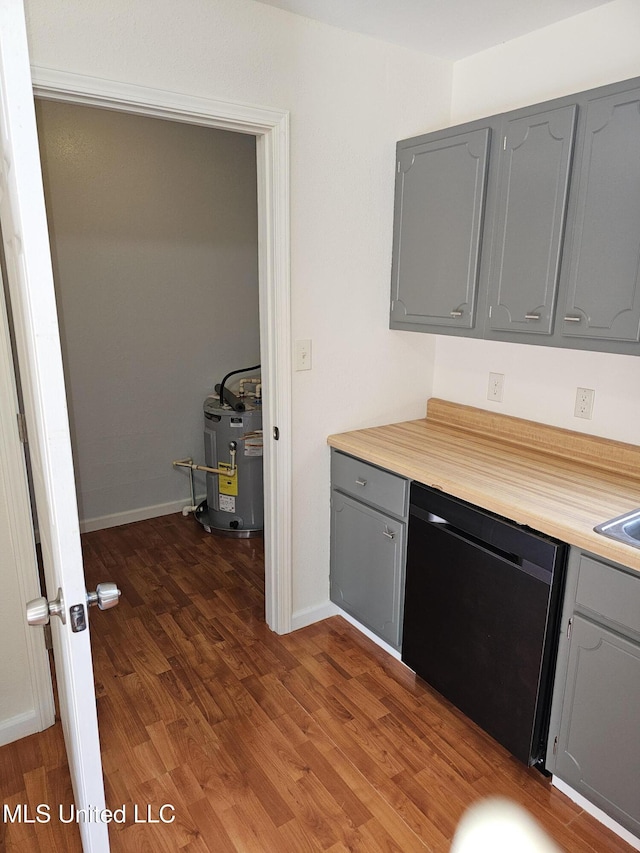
(439, 208)
(603, 295)
(531, 203)
(525, 226)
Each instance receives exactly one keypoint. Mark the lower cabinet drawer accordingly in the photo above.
(367, 566)
(367, 483)
(610, 592)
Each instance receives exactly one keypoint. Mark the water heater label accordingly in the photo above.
(227, 485)
(253, 443)
(226, 503)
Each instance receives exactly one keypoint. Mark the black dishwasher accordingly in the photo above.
(482, 610)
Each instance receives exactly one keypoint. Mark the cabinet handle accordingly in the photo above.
(531, 316)
(360, 482)
(571, 319)
(389, 534)
(455, 313)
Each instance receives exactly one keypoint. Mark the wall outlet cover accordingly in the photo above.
(496, 387)
(584, 403)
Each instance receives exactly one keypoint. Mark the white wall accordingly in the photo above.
(350, 98)
(588, 50)
(155, 252)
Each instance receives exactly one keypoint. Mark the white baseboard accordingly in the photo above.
(19, 726)
(596, 812)
(364, 630)
(118, 518)
(309, 615)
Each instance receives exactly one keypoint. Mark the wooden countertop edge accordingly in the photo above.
(553, 493)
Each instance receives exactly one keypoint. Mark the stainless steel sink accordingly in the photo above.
(624, 528)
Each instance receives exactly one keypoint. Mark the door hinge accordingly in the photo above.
(504, 144)
(48, 639)
(555, 745)
(569, 628)
(22, 427)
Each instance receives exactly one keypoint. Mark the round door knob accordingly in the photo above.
(39, 610)
(106, 595)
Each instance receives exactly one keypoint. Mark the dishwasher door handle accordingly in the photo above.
(453, 530)
(420, 515)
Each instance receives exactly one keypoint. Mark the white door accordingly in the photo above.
(26, 245)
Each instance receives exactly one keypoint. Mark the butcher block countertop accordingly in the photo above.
(557, 481)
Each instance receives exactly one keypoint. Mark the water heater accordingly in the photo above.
(233, 443)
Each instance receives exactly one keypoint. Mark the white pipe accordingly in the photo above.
(189, 463)
(254, 381)
(193, 507)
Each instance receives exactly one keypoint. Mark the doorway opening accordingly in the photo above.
(270, 128)
(154, 239)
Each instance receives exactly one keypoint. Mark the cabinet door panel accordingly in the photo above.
(598, 746)
(603, 298)
(439, 212)
(367, 566)
(532, 194)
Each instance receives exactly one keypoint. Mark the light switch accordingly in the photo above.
(303, 355)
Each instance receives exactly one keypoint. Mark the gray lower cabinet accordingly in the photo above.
(439, 210)
(594, 745)
(368, 544)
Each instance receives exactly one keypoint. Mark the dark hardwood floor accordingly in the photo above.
(314, 741)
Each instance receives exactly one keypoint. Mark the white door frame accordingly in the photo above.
(271, 129)
(20, 565)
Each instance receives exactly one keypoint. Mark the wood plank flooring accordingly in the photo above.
(314, 741)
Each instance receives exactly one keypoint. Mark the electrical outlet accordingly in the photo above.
(584, 403)
(496, 387)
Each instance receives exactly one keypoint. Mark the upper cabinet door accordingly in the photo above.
(439, 208)
(531, 202)
(603, 290)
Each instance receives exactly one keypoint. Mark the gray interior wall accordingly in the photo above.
(154, 241)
